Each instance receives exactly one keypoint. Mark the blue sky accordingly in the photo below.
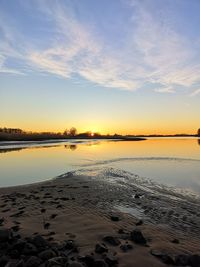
(113, 66)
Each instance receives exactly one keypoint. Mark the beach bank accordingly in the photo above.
(114, 224)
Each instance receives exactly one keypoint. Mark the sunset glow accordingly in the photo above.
(126, 67)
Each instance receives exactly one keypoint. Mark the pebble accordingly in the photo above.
(33, 261)
(126, 247)
(140, 222)
(5, 235)
(112, 240)
(47, 254)
(100, 248)
(100, 263)
(114, 218)
(137, 237)
(75, 264)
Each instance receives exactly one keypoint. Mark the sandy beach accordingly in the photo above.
(89, 213)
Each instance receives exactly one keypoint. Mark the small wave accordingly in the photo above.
(104, 162)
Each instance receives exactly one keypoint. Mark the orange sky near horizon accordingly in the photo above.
(137, 129)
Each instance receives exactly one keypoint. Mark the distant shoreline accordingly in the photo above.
(55, 140)
(60, 139)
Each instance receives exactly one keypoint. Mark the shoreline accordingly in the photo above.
(83, 206)
(55, 140)
(23, 143)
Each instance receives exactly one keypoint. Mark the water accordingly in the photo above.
(169, 161)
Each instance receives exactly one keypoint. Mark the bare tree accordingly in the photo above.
(66, 132)
(73, 131)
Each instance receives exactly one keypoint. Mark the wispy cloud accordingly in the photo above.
(169, 89)
(196, 92)
(153, 54)
(4, 69)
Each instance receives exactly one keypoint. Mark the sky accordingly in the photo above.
(117, 66)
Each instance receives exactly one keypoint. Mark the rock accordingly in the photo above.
(15, 236)
(14, 254)
(19, 245)
(15, 228)
(17, 214)
(29, 249)
(182, 260)
(21, 208)
(11, 264)
(47, 254)
(100, 248)
(3, 260)
(137, 195)
(64, 198)
(156, 253)
(15, 263)
(2, 221)
(16, 222)
(114, 218)
(88, 260)
(20, 263)
(39, 241)
(53, 216)
(75, 264)
(51, 233)
(165, 258)
(140, 222)
(69, 244)
(46, 225)
(111, 260)
(112, 240)
(121, 231)
(100, 263)
(43, 210)
(126, 247)
(175, 241)
(194, 260)
(5, 235)
(33, 261)
(57, 261)
(137, 237)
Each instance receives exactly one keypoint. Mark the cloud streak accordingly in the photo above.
(154, 54)
(195, 93)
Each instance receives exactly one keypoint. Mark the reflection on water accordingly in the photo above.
(5, 150)
(71, 147)
(171, 161)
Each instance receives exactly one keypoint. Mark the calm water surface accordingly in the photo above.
(169, 161)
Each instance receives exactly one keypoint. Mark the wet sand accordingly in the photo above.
(80, 208)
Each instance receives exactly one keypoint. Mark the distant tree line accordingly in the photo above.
(70, 132)
(16, 134)
(11, 130)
